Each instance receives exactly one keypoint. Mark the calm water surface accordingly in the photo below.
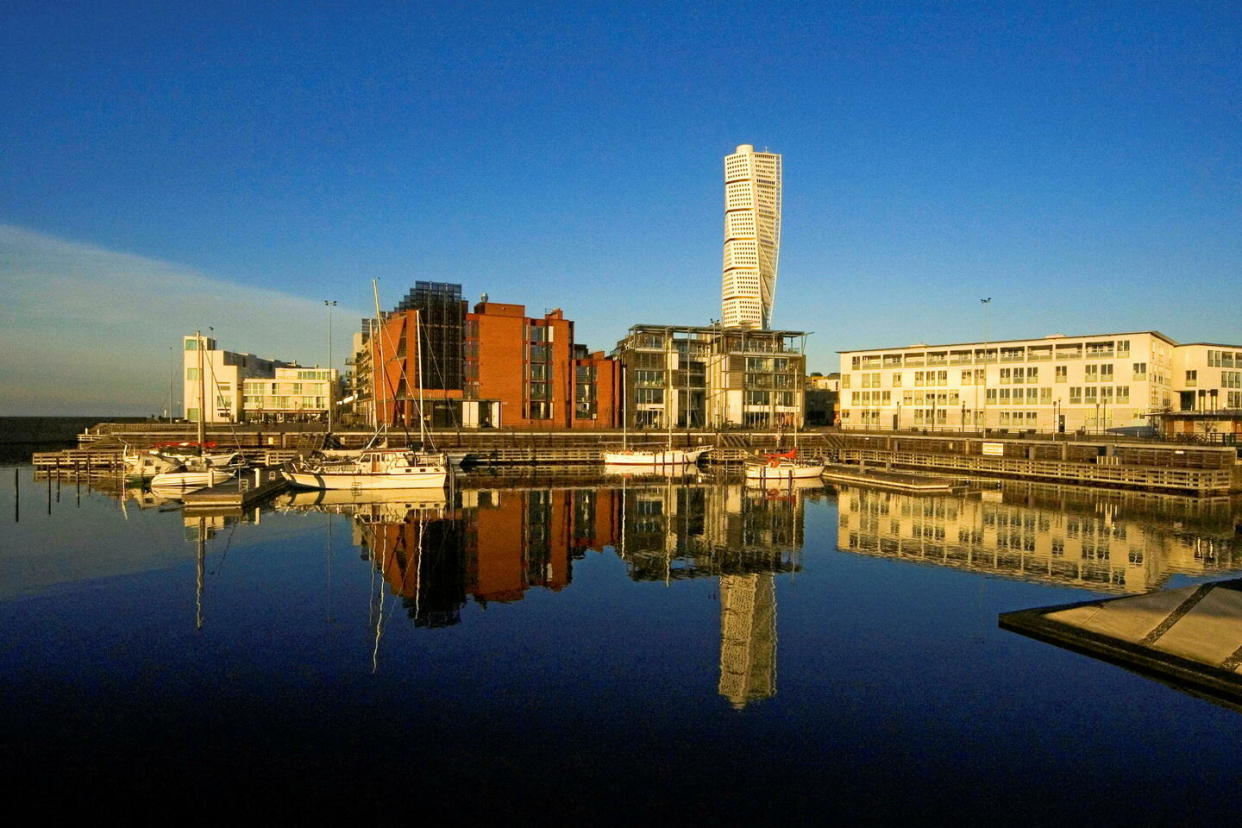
(616, 650)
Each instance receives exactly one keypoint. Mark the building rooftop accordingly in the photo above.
(1049, 338)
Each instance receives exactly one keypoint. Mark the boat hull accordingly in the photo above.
(186, 481)
(666, 457)
(784, 471)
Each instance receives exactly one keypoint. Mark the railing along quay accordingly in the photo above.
(1196, 480)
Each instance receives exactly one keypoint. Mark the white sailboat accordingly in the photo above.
(377, 468)
(783, 466)
(198, 469)
(654, 459)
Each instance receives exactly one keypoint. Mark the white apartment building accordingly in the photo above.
(752, 237)
(1057, 383)
(292, 393)
(213, 373)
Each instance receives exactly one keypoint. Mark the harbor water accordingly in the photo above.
(569, 646)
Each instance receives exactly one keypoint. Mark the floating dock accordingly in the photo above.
(903, 481)
(1189, 638)
(251, 486)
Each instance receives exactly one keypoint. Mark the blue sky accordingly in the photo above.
(1080, 163)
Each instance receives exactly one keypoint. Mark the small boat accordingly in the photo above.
(783, 466)
(189, 480)
(658, 457)
(373, 469)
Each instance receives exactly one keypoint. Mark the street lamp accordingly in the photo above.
(330, 304)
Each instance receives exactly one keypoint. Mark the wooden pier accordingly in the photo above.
(249, 487)
(902, 481)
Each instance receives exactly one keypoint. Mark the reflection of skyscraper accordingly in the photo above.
(752, 231)
(747, 638)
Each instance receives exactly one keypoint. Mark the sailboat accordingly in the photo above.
(783, 466)
(198, 469)
(379, 468)
(648, 458)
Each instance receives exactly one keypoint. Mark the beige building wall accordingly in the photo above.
(1057, 383)
(222, 374)
(752, 237)
(292, 391)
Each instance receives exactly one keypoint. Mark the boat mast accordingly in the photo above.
(377, 364)
(202, 400)
(418, 349)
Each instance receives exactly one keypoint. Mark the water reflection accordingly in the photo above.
(1117, 541)
(494, 543)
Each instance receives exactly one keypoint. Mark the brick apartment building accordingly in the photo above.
(490, 367)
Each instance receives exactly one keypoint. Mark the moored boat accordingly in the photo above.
(783, 466)
(373, 469)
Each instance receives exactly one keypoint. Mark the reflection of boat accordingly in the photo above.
(396, 500)
(784, 484)
(1190, 638)
(783, 466)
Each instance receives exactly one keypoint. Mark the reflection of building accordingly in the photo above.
(498, 543)
(1064, 536)
(707, 376)
(752, 231)
(747, 638)
(1057, 383)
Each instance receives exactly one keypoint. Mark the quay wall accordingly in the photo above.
(1110, 461)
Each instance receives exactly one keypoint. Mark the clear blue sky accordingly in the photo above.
(1080, 163)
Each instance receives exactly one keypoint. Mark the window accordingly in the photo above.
(1106, 373)
(1092, 373)
(1140, 371)
(191, 344)
(1075, 395)
(191, 373)
(1062, 373)
(1192, 378)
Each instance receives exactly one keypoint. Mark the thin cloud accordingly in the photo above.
(85, 330)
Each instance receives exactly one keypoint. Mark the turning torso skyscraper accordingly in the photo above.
(752, 237)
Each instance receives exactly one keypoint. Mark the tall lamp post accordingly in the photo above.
(330, 304)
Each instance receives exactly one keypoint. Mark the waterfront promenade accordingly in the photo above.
(1102, 460)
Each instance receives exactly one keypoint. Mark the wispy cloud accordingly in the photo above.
(85, 330)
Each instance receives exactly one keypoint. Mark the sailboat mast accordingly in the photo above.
(202, 399)
(378, 364)
(418, 348)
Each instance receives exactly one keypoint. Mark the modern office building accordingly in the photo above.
(1058, 383)
(711, 377)
(752, 237)
(214, 373)
(514, 371)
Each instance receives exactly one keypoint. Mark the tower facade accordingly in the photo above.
(752, 237)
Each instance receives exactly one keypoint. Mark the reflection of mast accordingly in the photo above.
(747, 638)
(199, 561)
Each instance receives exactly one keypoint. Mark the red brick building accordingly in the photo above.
(516, 371)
